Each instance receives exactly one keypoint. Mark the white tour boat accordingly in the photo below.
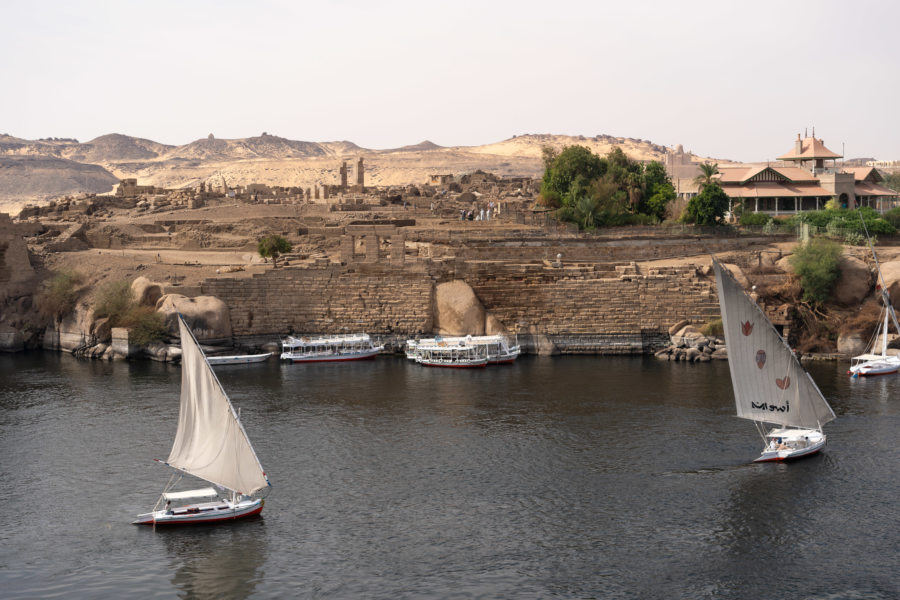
(499, 350)
(337, 348)
(210, 444)
(240, 359)
(458, 355)
(770, 385)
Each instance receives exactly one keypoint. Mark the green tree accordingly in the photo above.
(659, 190)
(575, 165)
(273, 246)
(817, 264)
(708, 207)
(114, 300)
(707, 170)
(58, 295)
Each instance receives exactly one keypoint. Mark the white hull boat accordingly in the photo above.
(458, 355)
(204, 513)
(770, 385)
(329, 349)
(240, 359)
(499, 350)
(787, 444)
(210, 444)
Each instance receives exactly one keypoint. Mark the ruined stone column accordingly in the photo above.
(360, 174)
(398, 249)
(347, 246)
(344, 176)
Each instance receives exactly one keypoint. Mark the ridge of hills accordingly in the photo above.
(268, 159)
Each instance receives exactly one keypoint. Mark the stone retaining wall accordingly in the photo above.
(580, 309)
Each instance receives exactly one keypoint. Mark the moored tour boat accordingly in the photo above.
(459, 355)
(210, 444)
(770, 385)
(337, 348)
(499, 350)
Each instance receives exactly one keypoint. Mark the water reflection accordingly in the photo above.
(216, 562)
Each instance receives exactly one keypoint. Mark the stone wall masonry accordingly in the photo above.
(370, 298)
(582, 310)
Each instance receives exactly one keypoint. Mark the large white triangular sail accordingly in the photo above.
(211, 442)
(769, 383)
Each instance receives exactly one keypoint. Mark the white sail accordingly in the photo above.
(769, 383)
(211, 442)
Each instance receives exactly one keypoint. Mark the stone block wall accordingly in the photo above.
(365, 298)
(582, 310)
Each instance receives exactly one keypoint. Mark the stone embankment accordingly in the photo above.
(689, 344)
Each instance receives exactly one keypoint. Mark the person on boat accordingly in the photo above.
(169, 507)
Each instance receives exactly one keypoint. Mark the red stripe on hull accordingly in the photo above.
(454, 366)
(874, 374)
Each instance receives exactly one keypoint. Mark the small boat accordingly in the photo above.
(869, 363)
(329, 349)
(210, 444)
(499, 350)
(770, 385)
(459, 355)
(240, 359)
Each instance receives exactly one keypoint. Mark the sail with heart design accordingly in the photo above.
(770, 385)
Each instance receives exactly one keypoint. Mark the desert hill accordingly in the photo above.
(48, 177)
(270, 159)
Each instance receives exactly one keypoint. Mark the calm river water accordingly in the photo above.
(566, 477)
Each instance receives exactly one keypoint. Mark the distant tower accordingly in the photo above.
(344, 175)
(360, 173)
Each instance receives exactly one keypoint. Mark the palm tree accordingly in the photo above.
(586, 211)
(707, 170)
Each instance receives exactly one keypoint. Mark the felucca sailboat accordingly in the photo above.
(770, 385)
(210, 444)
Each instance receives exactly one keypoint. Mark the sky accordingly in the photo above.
(727, 80)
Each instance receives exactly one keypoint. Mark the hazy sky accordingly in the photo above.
(725, 79)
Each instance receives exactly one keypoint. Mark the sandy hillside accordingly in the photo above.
(272, 160)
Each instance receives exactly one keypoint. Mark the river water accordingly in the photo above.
(564, 477)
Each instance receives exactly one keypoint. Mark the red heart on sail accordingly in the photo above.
(746, 327)
(783, 383)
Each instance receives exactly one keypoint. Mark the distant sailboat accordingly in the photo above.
(869, 363)
(210, 444)
(770, 385)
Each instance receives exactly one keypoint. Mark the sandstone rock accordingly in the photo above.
(678, 326)
(457, 311)
(691, 354)
(493, 326)
(703, 358)
(851, 344)
(855, 282)
(785, 264)
(146, 292)
(689, 337)
(156, 351)
(891, 272)
(11, 339)
(738, 275)
(662, 354)
(207, 316)
(769, 258)
(544, 346)
(721, 353)
(101, 330)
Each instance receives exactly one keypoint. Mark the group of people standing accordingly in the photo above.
(483, 213)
